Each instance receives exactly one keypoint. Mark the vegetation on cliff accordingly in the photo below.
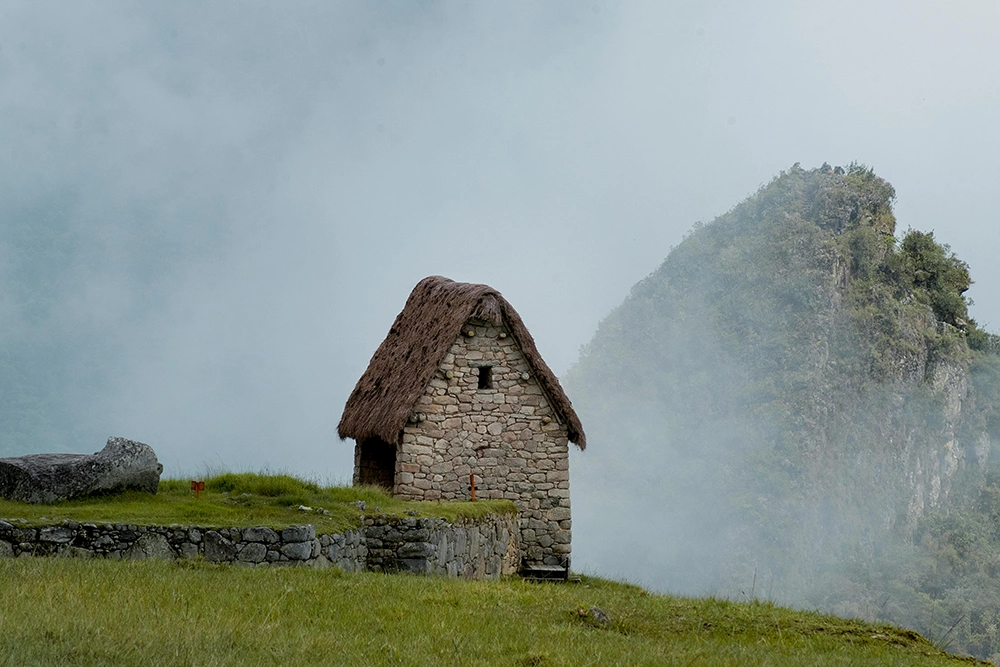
(807, 399)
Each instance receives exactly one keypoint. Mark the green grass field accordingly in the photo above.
(246, 499)
(58, 611)
(97, 612)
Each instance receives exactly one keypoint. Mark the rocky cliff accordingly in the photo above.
(794, 388)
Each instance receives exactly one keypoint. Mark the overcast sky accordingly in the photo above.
(254, 188)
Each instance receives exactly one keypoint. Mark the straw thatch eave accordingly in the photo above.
(414, 348)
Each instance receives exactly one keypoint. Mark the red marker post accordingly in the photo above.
(197, 487)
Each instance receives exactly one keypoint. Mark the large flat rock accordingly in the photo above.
(48, 478)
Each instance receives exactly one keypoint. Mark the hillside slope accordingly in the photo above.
(102, 612)
(790, 398)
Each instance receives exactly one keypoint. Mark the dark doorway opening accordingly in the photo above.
(376, 463)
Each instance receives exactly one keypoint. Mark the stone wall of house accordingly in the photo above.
(482, 548)
(506, 434)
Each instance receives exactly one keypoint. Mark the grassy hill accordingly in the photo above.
(94, 612)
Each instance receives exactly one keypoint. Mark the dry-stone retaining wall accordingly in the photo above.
(474, 549)
(485, 548)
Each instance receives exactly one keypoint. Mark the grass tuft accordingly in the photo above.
(271, 486)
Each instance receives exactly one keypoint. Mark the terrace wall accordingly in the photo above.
(483, 548)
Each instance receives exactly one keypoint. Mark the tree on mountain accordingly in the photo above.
(937, 275)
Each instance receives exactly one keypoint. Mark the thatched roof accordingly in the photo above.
(413, 350)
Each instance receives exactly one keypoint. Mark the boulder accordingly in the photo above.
(49, 478)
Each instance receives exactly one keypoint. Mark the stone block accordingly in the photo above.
(298, 533)
(452, 424)
(187, 550)
(423, 550)
(559, 514)
(150, 546)
(217, 548)
(253, 552)
(56, 534)
(104, 541)
(261, 534)
(297, 550)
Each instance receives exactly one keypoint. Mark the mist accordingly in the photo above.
(210, 215)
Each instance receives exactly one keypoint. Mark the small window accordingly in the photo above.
(485, 377)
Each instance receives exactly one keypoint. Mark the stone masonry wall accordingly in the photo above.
(485, 548)
(507, 435)
(471, 549)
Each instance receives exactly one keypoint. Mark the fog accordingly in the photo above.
(211, 214)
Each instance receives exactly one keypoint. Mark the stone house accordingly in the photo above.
(456, 390)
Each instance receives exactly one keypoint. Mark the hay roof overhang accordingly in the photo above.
(417, 343)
